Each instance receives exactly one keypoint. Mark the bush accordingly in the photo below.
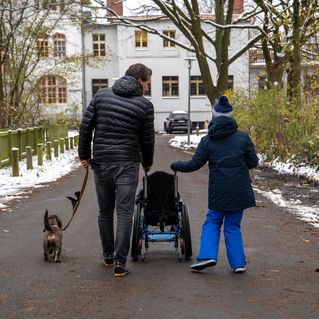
(278, 127)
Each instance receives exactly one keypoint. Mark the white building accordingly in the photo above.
(116, 47)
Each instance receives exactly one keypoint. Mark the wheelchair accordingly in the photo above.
(160, 216)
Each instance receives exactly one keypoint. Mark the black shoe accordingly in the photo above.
(109, 261)
(120, 270)
(202, 264)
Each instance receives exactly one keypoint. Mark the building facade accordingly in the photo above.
(111, 48)
(120, 46)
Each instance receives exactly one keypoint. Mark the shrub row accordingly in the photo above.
(279, 128)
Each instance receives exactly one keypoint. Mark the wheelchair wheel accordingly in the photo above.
(186, 234)
(136, 246)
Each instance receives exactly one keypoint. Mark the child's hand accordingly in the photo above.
(173, 167)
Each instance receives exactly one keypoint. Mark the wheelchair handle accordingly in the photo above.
(175, 185)
(145, 185)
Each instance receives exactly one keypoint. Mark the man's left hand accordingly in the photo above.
(146, 168)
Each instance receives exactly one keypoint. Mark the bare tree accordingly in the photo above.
(25, 29)
(290, 26)
(188, 18)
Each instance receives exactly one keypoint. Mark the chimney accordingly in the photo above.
(238, 6)
(116, 6)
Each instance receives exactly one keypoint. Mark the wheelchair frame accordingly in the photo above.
(179, 233)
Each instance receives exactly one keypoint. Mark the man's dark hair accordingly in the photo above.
(139, 71)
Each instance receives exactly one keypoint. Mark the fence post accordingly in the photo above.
(28, 150)
(66, 142)
(61, 145)
(9, 147)
(48, 151)
(20, 143)
(15, 162)
(76, 140)
(71, 142)
(35, 140)
(40, 154)
(56, 148)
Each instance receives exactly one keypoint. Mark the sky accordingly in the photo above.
(20, 188)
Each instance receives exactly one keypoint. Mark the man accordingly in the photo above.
(123, 123)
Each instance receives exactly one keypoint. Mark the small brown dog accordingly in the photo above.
(52, 243)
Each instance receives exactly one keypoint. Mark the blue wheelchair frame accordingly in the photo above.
(179, 232)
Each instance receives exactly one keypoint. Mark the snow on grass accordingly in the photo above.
(20, 187)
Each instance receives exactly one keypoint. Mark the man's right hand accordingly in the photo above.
(85, 163)
(146, 168)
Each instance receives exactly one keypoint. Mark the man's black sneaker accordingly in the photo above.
(120, 270)
(202, 264)
(109, 261)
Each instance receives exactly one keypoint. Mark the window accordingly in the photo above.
(52, 90)
(99, 45)
(170, 85)
(42, 48)
(140, 39)
(59, 44)
(53, 5)
(261, 82)
(311, 84)
(230, 84)
(171, 34)
(197, 86)
(99, 84)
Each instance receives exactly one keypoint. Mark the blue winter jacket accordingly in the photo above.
(230, 154)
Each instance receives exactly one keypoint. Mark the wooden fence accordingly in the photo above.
(23, 138)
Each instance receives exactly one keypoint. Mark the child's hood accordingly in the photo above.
(222, 127)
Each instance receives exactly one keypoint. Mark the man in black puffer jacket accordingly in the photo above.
(123, 123)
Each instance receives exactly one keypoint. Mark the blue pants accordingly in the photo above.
(233, 238)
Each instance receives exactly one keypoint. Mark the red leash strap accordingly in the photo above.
(80, 196)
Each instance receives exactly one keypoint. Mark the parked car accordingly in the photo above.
(177, 121)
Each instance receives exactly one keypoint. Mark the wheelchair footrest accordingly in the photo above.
(161, 237)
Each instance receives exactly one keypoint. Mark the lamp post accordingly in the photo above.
(189, 59)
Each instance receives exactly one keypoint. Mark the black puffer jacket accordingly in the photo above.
(123, 124)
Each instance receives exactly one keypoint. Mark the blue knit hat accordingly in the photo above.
(222, 107)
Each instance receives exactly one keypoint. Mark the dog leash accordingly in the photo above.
(77, 204)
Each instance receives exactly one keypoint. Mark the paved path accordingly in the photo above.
(281, 281)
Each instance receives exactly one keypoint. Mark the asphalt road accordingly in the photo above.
(281, 281)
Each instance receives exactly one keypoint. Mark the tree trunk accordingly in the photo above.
(295, 67)
(2, 101)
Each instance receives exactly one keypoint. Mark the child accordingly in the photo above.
(230, 154)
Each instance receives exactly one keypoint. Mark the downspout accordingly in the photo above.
(83, 63)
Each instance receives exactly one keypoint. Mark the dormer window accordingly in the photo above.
(99, 44)
(53, 5)
(171, 34)
(140, 39)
